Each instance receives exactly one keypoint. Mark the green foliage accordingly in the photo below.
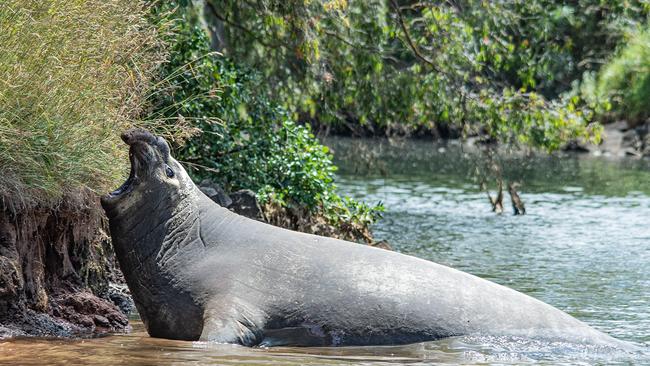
(622, 86)
(245, 141)
(499, 67)
(71, 75)
(544, 45)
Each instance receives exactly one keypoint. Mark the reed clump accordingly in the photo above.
(73, 74)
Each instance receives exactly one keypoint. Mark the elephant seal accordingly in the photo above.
(200, 272)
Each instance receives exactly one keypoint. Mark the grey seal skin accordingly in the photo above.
(200, 272)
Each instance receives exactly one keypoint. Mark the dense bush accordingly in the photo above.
(72, 74)
(622, 87)
(245, 140)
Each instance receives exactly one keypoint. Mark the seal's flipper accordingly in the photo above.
(295, 336)
(228, 331)
(232, 323)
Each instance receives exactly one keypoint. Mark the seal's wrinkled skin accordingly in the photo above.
(198, 271)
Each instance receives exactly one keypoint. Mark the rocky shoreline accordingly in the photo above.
(620, 139)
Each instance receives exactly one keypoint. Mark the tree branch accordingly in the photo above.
(217, 15)
(376, 50)
(409, 40)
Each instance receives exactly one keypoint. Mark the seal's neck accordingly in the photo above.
(154, 249)
(183, 239)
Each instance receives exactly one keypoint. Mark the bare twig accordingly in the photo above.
(416, 50)
(223, 18)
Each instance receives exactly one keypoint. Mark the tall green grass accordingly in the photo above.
(72, 76)
(626, 78)
(621, 89)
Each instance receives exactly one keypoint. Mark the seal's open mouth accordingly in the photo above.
(127, 186)
(146, 152)
(138, 142)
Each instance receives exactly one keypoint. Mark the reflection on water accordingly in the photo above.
(584, 247)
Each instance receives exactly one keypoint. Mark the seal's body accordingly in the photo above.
(198, 271)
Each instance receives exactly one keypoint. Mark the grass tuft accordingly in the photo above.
(73, 74)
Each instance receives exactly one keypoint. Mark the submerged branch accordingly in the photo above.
(496, 202)
(517, 204)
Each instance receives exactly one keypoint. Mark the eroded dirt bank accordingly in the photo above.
(58, 276)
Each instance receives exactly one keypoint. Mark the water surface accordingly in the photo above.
(584, 247)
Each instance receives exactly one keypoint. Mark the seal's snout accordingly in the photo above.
(126, 137)
(134, 135)
(137, 134)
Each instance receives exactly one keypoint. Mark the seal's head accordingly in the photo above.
(154, 176)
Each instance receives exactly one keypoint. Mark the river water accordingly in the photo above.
(583, 246)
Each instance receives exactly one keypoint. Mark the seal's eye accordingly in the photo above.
(169, 171)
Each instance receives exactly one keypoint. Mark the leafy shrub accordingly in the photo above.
(71, 75)
(623, 84)
(246, 141)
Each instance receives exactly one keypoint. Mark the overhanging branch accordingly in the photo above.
(409, 41)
